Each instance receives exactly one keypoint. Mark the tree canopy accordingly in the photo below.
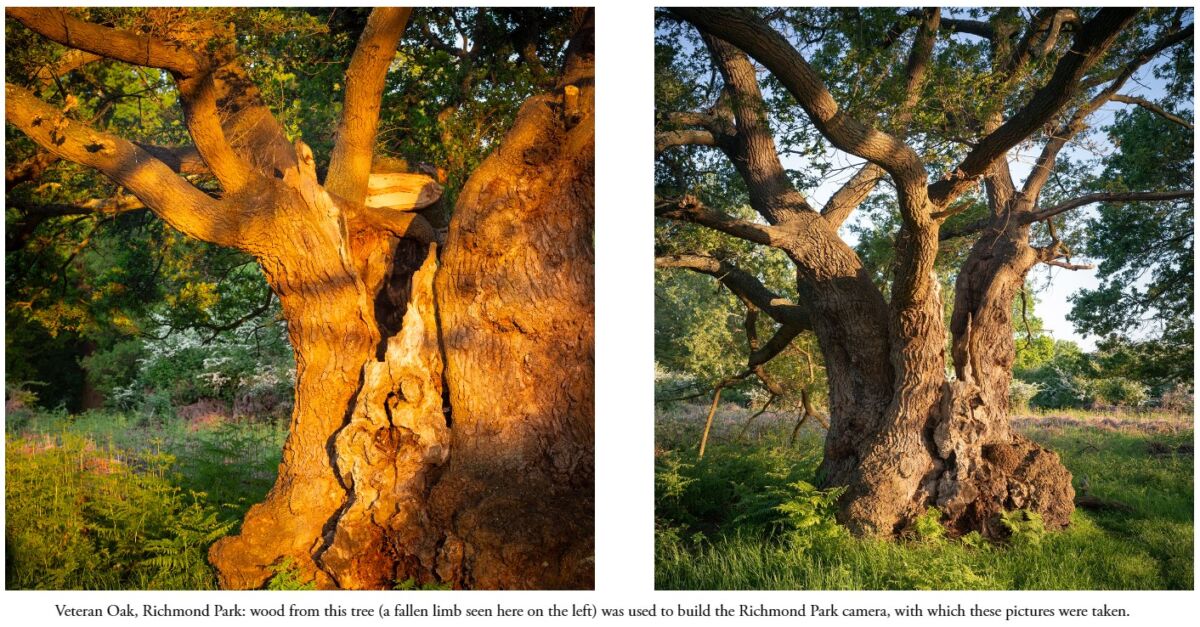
(92, 275)
(912, 166)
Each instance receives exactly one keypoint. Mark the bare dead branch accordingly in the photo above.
(1069, 266)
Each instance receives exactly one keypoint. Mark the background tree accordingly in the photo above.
(399, 463)
(932, 109)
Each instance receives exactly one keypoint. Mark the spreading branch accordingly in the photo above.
(172, 198)
(752, 150)
(746, 31)
(57, 25)
(665, 140)
(1077, 122)
(350, 162)
(1087, 199)
(1091, 42)
(690, 209)
(743, 284)
(1153, 108)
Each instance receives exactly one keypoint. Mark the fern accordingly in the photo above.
(1026, 527)
(288, 577)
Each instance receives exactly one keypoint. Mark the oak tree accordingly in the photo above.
(442, 429)
(931, 109)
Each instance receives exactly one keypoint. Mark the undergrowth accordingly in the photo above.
(748, 516)
(108, 500)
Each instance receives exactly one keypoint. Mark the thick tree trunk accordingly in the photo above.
(443, 430)
(947, 443)
(330, 328)
(986, 467)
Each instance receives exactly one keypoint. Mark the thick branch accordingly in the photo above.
(752, 149)
(1153, 108)
(181, 159)
(856, 190)
(57, 25)
(970, 27)
(173, 199)
(665, 140)
(204, 125)
(350, 163)
(690, 209)
(1092, 41)
(742, 284)
(849, 196)
(781, 340)
(742, 28)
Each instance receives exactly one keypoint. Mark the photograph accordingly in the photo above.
(299, 298)
(924, 286)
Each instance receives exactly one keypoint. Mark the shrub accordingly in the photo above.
(1121, 392)
(1059, 388)
(1020, 393)
(249, 368)
(1178, 399)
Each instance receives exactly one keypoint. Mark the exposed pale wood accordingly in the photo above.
(401, 191)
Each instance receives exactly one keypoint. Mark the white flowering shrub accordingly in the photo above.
(250, 369)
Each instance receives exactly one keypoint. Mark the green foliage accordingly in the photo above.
(1146, 250)
(83, 517)
(809, 514)
(288, 577)
(111, 500)
(1150, 548)
(928, 526)
(1025, 526)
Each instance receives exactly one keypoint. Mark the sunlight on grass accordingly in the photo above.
(106, 500)
(721, 522)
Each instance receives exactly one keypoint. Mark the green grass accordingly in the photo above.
(729, 522)
(115, 501)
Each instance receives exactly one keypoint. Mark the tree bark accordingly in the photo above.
(515, 297)
(443, 421)
(985, 467)
(903, 436)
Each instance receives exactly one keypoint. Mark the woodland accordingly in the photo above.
(299, 298)
(856, 214)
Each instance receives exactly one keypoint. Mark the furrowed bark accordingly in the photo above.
(515, 298)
